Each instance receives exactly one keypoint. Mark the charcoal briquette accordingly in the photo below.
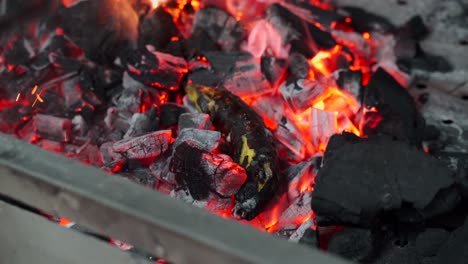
(396, 106)
(355, 244)
(393, 174)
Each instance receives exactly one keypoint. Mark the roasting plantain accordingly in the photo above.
(249, 143)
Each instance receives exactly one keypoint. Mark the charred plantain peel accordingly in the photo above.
(249, 143)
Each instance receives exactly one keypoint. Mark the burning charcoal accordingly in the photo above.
(323, 39)
(248, 80)
(301, 231)
(129, 100)
(300, 177)
(323, 125)
(204, 77)
(141, 176)
(274, 70)
(363, 21)
(350, 82)
(212, 202)
(205, 139)
(271, 115)
(195, 120)
(186, 167)
(72, 93)
(19, 52)
(226, 176)
(100, 28)
(289, 25)
(12, 117)
(305, 37)
(302, 93)
(169, 114)
(89, 154)
(146, 146)
(108, 154)
(51, 145)
(200, 41)
(288, 135)
(394, 174)
(220, 26)
(142, 123)
(159, 20)
(51, 127)
(156, 69)
(429, 241)
(224, 63)
(161, 169)
(299, 66)
(98, 80)
(396, 106)
(248, 141)
(322, 16)
(296, 213)
(352, 243)
(80, 127)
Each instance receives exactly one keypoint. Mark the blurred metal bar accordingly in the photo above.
(29, 238)
(151, 221)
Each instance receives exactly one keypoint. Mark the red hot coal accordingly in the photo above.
(289, 116)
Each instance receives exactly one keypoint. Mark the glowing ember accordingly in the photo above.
(301, 109)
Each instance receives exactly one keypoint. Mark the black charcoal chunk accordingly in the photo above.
(100, 28)
(352, 243)
(300, 33)
(429, 241)
(19, 52)
(323, 16)
(156, 69)
(299, 66)
(323, 39)
(224, 63)
(220, 26)
(363, 178)
(397, 107)
(414, 28)
(363, 21)
(170, 113)
(455, 250)
(350, 81)
(205, 77)
(199, 42)
(160, 21)
(273, 69)
(425, 61)
(185, 165)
